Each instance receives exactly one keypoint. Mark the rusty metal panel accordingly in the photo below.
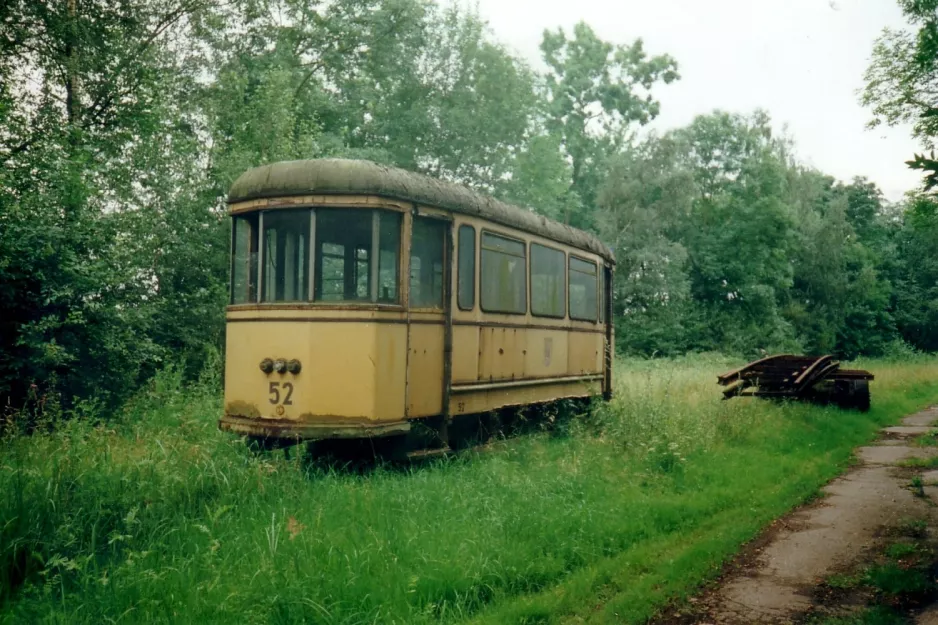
(311, 428)
(546, 353)
(501, 353)
(390, 365)
(485, 400)
(465, 354)
(273, 395)
(354, 370)
(586, 353)
(425, 370)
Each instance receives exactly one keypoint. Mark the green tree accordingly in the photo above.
(541, 179)
(903, 77)
(89, 110)
(596, 91)
(916, 274)
(642, 204)
(740, 231)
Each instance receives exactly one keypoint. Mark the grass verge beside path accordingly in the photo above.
(164, 519)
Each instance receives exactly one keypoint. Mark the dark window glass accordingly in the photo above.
(548, 285)
(602, 294)
(357, 255)
(426, 263)
(244, 260)
(502, 278)
(389, 256)
(583, 280)
(467, 267)
(286, 255)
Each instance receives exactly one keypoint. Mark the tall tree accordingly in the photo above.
(596, 91)
(916, 274)
(739, 233)
(90, 92)
(902, 80)
(642, 206)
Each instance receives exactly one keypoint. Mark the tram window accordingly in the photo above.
(583, 282)
(467, 267)
(346, 255)
(389, 264)
(286, 255)
(548, 287)
(426, 263)
(502, 281)
(244, 260)
(602, 294)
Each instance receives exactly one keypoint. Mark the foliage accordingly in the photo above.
(902, 78)
(595, 91)
(723, 241)
(122, 126)
(158, 516)
(916, 274)
(93, 194)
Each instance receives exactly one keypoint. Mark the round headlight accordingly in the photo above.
(294, 366)
(267, 365)
(280, 365)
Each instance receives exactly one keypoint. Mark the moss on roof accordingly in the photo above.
(341, 176)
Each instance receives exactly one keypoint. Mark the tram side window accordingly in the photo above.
(244, 260)
(548, 287)
(467, 267)
(389, 264)
(583, 283)
(503, 283)
(602, 295)
(426, 263)
(286, 255)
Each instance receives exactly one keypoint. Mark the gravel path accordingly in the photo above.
(774, 582)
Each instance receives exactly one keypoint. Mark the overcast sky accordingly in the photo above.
(801, 60)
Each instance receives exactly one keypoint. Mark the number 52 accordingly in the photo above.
(274, 391)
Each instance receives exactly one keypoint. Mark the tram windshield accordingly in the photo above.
(323, 255)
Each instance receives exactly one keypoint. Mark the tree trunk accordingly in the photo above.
(72, 103)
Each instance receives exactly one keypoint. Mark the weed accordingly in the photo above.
(917, 486)
(914, 528)
(920, 463)
(843, 582)
(878, 615)
(893, 579)
(897, 551)
(160, 517)
(929, 439)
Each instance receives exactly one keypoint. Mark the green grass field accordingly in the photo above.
(161, 518)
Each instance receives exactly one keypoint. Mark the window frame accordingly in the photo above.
(263, 259)
(475, 263)
(524, 244)
(565, 277)
(446, 223)
(595, 264)
(601, 310)
(259, 219)
(373, 299)
(253, 220)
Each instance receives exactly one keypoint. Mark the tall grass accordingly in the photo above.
(161, 518)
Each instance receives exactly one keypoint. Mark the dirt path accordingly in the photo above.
(776, 578)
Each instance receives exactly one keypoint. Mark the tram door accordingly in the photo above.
(429, 309)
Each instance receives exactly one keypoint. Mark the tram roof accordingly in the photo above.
(343, 176)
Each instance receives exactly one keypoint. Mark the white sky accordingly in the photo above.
(801, 60)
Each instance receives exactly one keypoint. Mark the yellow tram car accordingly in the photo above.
(366, 299)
